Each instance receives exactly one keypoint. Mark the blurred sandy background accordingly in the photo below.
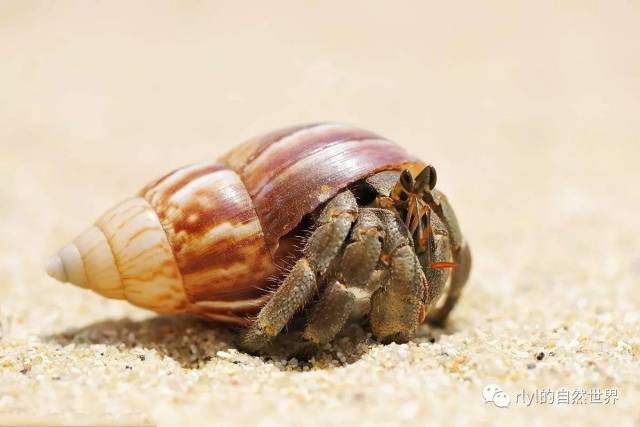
(529, 110)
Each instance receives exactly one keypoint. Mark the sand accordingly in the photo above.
(529, 113)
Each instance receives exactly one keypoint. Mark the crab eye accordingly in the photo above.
(406, 180)
(433, 177)
(426, 180)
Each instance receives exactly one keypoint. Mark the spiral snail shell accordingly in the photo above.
(205, 238)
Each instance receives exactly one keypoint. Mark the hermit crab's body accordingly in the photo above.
(210, 238)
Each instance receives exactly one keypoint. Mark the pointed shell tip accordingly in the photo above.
(55, 268)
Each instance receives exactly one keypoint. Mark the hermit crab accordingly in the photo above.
(324, 222)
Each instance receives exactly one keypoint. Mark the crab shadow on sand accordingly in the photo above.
(193, 342)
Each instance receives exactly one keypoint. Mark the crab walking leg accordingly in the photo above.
(334, 225)
(361, 257)
(461, 257)
(293, 294)
(438, 314)
(437, 262)
(358, 262)
(397, 307)
(300, 285)
(329, 314)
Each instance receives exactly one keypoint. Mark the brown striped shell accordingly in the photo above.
(203, 238)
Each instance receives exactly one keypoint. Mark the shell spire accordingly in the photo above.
(119, 255)
(189, 242)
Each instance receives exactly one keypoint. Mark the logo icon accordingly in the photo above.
(493, 393)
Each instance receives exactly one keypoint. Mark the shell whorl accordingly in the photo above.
(214, 231)
(203, 238)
